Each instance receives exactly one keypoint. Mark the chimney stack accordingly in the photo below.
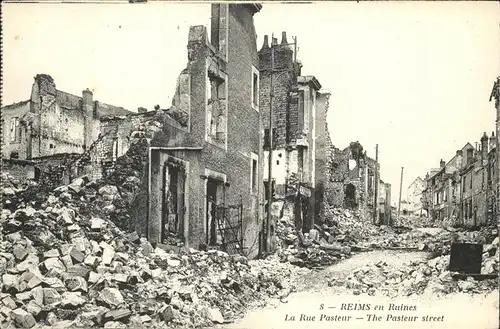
(266, 42)
(442, 163)
(274, 42)
(283, 38)
(484, 147)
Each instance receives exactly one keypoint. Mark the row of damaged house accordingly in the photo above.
(200, 165)
(465, 190)
(353, 180)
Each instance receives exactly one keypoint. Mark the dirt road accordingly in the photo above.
(320, 306)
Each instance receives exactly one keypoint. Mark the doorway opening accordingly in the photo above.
(173, 207)
(350, 196)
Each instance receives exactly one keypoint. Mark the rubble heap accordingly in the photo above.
(422, 277)
(64, 267)
(345, 231)
(317, 249)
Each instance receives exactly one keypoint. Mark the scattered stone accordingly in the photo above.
(72, 299)
(117, 315)
(76, 283)
(20, 252)
(215, 315)
(23, 319)
(77, 256)
(167, 313)
(111, 297)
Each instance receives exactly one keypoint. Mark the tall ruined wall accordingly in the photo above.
(57, 129)
(286, 99)
(15, 143)
(322, 149)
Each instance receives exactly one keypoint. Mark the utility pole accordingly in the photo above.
(267, 241)
(375, 203)
(270, 163)
(400, 190)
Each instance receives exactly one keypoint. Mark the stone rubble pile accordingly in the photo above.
(360, 234)
(421, 277)
(414, 221)
(314, 252)
(63, 267)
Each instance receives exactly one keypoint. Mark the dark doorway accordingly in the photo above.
(173, 203)
(350, 196)
(211, 212)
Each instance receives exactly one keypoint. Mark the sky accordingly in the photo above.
(412, 77)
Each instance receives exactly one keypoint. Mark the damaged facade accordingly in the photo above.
(203, 179)
(352, 183)
(53, 129)
(300, 137)
(463, 191)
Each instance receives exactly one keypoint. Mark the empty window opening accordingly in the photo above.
(254, 175)
(350, 196)
(216, 108)
(15, 130)
(115, 149)
(255, 89)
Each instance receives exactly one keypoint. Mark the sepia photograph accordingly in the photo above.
(241, 165)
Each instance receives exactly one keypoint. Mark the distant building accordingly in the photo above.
(414, 198)
(477, 204)
(441, 196)
(463, 191)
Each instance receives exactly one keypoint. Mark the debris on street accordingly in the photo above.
(67, 267)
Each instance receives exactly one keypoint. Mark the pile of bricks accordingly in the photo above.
(64, 267)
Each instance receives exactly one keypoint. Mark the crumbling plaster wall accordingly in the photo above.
(20, 145)
(57, 129)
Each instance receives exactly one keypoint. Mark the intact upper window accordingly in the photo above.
(255, 88)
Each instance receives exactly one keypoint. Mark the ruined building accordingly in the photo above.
(352, 183)
(50, 129)
(202, 170)
(300, 135)
(196, 167)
